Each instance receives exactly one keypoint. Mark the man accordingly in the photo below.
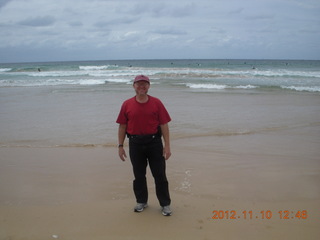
(144, 119)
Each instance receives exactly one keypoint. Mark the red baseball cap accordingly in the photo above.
(141, 78)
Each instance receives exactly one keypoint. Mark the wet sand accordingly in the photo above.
(86, 192)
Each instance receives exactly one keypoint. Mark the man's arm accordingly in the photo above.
(166, 138)
(121, 137)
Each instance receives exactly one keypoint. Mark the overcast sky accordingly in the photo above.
(55, 30)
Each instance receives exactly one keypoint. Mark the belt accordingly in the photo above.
(146, 136)
(143, 136)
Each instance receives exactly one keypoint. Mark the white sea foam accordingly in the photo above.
(56, 74)
(270, 73)
(246, 87)
(92, 81)
(300, 89)
(107, 74)
(115, 80)
(288, 73)
(218, 87)
(206, 86)
(213, 77)
(5, 69)
(51, 82)
(104, 67)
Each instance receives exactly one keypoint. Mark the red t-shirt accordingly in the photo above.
(143, 118)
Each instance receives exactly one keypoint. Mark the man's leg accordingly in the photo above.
(158, 168)
(139, 164)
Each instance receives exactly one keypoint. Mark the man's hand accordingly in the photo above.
(122, 154)
(166, 138)
(121, 136)
(166, 153)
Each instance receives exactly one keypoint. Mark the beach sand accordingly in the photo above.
(241, 155)
(86, 193)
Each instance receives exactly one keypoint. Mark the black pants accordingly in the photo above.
(144, 150)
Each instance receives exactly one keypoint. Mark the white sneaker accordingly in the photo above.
(166, 211)
(140, 207)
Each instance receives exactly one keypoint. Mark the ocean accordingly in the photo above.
(191, 74)
(61, 104)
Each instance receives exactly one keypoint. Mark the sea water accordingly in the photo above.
(76, 103)
(193, 74)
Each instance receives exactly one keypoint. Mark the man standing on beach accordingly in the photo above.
(144, 119)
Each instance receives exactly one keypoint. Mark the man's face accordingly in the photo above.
(141, 87)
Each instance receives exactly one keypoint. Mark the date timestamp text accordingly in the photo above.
(264, 214)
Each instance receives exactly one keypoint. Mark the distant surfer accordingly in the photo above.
(39, 70)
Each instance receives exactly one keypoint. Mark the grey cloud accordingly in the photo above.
(76, 24)
(3, 3)
(86, 29)
(260, 17)
(217, 30)
(184, 11)
(169, 32)
(165, 10)
(161, 9)
(126, 20)
(102, 24)
(38, 21)
(236, 11)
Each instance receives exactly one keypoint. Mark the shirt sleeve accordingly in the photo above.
(122, 117)
(164, 116)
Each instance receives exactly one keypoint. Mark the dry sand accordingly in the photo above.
(86, 193)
